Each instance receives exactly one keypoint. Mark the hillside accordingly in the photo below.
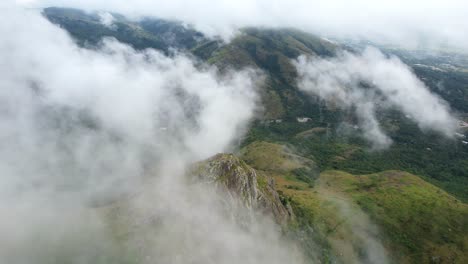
(421, 222)
(351, 215)
(88, 30)
(272, 52)
(243, 196)
(335, 217)
(305, 162)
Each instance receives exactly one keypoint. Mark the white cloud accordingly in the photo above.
(107, 19)
(418, 23)
(78, 125)
(392, 84)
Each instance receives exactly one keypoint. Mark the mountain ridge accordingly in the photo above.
(304, 162)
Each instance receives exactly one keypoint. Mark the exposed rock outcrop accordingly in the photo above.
(256, 191)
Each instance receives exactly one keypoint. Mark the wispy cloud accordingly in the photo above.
(369, 81)
(80, 128)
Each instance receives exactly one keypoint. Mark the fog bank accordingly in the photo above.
(95, 143)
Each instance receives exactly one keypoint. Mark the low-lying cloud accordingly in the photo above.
(413, 24)
(107, 19)
(80, 128)
(370, 81)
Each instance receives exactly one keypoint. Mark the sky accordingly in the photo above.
(434, 24)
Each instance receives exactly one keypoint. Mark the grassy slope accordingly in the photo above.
(421, 223)
(87, 29)
(272, 52)
(418, 222)
(440, 161)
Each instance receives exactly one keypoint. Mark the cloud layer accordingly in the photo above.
(414, 24)
(80, 128)
(369, 81)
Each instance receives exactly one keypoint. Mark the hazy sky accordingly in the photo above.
(430, 23)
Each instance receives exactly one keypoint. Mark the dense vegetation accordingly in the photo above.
(158, 34)
(441, 161)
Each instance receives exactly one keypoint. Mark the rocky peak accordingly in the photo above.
(255, 191)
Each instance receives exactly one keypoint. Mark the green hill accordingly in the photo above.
(271, 50)
(88, 30)
(413, 220)
(420, 222)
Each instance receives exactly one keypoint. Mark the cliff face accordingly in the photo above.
(242, 183)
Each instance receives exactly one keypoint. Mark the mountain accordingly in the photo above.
(337, 217)
(88, 29)
(304, 162)
(417, 222)
(272, 52)
(268, 50)
(256, 191)
(140, 236)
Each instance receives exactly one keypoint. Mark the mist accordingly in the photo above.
(97, 143)
(365, 245)
(416, 24)
(92, 137)
(370, 81)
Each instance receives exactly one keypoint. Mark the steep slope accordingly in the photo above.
(256, 191)
(270, 50)
(389, 217)
(88, 29)
(220, 191)
(421, 223)
(384, 217)
(142, 224)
